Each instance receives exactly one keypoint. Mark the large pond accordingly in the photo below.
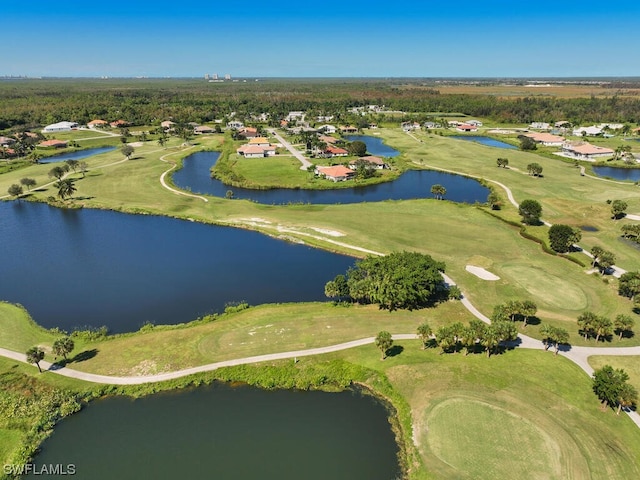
(631, 174)
(195, 176)
(489, 142)
(78, 155)
(375, 146)
(219, 432)
(75, 268)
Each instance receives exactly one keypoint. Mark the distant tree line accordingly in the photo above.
(147, 102)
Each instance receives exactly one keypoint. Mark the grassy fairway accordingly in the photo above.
(17, 331)
(256, 331)
(524, 414)
(519, 415)
(566, 196)
(631, 365)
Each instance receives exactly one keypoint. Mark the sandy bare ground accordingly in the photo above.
(481, 273)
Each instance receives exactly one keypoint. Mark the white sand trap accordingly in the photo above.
(331, 233)
(135, 144)
(481, 273)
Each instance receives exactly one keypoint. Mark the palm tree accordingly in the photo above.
(63, 346)
(438, 191)
(66, 188)
(424, 331)
(35, 355)
(559, 336)
(490, 339)
(546, 331)
(623, 323)
(384, 342)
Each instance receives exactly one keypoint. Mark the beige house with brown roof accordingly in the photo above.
(586, 151)
(337, 173)
(546, 139)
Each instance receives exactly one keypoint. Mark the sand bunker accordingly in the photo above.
(481, 273)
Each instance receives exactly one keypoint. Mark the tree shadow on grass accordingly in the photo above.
(395, 350)
(533, 320)
(80, 357)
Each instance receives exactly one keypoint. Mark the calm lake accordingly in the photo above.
(219, 432)
(195, 176)
(75, 268)
(489, 142)
(631, 174)
(79, 155)
(375, 146)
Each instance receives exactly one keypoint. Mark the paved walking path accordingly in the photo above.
(163, 182)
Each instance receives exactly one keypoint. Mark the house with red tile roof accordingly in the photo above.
(248, 132)
(53, 144)
(331, 151)
(337, 173)
(546, 139)
(119, 124)
(97, 123)
(465, 127)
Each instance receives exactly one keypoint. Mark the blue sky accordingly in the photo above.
(349, 38)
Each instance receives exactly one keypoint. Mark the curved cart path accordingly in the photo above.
(578, 355)
(171, 189)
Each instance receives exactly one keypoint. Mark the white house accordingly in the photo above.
(235, 124)
(586, 151)
(372, 162)
(327, 129)
(295, 116)
(589, 131)
(540, 126)
(475, 123)
(60, 127)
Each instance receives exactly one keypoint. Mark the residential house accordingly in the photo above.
(4, 141)
(295, 116)
(465, 127)
(327, 129)
(331, 151)
(328, 139)
(586, 151)
(256, 151)
(119, 124)
(562, 124)
(167, 125)
(540, 126)
(53, 144)
(546, 139)
(97, 123)
(349, 129)
(408, 126)
(324, 118)
(475, 123)
(430, 125)
(235, 125)
(373, 162)
(259, 141)
(60, 127)
(373, 125)
(337, 173)
(248, 132)
(200, 129)
(587, 131)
